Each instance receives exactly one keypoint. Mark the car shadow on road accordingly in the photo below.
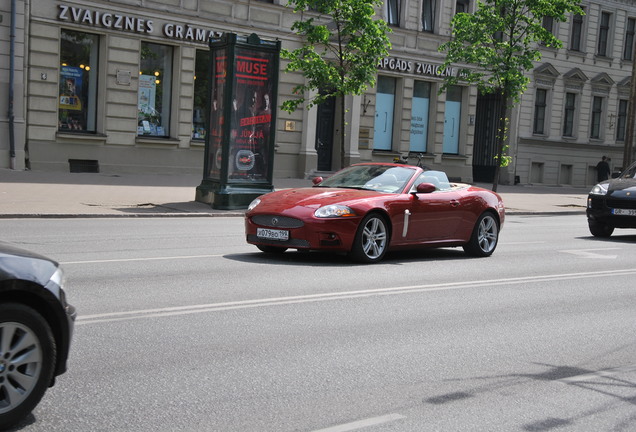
(615, 238)
(327, 259)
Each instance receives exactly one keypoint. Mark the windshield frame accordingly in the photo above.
(385, 178)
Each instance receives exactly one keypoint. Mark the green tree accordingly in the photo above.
(342, 44)
(502, 39)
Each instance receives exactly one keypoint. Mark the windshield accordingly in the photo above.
(630, 172)
(382, 178)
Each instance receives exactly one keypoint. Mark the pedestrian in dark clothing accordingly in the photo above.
(602, 169)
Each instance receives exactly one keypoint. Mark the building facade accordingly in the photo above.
(120, 86)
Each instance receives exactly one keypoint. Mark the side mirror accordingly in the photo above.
(425, 188)
(317, 180)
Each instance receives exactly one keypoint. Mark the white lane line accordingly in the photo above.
(599, 374)
(591, 253)
(139, 259)
(247, 304)
(360, 424)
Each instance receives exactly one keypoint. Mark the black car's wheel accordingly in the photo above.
(372, 239)
(485, 236)
(271, 249)
(599, 229)
(27, 361)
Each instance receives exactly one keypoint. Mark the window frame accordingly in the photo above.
(540, 112)
(163, 129)
(630, 32)
(88, 97)
(603, 42)
(596, 117)
(576, 35)
(569, 115)
(393, 10)
(430, 22)
(621, 119)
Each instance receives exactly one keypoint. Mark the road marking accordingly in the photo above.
(589, 253)
(599, 374)
(140, 259)
(360, 424)
(309, 298)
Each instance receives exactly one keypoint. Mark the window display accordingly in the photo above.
(153, 100)
(77, 82)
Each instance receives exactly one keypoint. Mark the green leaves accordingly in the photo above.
(342, 45)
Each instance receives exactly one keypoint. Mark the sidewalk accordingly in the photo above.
(61, 194)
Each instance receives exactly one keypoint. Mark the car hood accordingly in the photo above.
(313, 198)
(622, 188)
(16, 263)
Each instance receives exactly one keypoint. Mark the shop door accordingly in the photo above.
(452, 118)
(485, 146)
(384, 105)
(324, 134)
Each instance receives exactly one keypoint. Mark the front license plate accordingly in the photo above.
(624, 212)
(272, 234)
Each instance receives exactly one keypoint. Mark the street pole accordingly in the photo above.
(631, 114)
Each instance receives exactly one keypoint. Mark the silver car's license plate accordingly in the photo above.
(272, 234)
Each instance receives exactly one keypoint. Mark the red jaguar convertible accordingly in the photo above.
(368, 209)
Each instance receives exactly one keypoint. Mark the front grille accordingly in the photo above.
(597, 203)
(291, 243)
(621, 204)
(274, 221)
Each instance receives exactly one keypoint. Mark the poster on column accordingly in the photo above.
(219, 74)
(251, 115)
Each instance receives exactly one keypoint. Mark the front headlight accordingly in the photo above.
(253, 204)
(334, 210)
(599, 189)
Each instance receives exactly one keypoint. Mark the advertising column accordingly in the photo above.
(241, 129)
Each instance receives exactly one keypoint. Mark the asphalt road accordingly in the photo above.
(184, 327)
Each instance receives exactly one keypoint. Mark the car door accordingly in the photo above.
(435, 215)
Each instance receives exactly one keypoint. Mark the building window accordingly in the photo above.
(621, 121)
(384, 108)
(628, 50)
(597, 113)
(577, 31)
(419, 116)
(452, 120)
(77, 103)
(539, 111)
(155, 88)
(393, 12)
(199, 110)
(428, 15)
(568, 117)
(461, 6)
(548, 23)
(603, 34)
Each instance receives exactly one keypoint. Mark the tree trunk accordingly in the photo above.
(501, 135)
(343, 134)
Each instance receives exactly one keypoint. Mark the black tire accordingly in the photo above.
(599, 229)
(485, 236)
(271, 249)
(372, 239)
(27, 361)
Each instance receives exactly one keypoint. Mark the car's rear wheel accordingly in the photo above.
(372, 239)
(27, 361)
(599, 229)
(271, 249)
(485, 236)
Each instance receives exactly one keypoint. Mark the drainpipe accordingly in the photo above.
(11, 83)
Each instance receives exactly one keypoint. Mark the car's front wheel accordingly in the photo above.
(599, 229)
(372, 239)
(485, 236)
(27, 361)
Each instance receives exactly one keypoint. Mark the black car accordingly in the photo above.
(36, 327)
(612, 204)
